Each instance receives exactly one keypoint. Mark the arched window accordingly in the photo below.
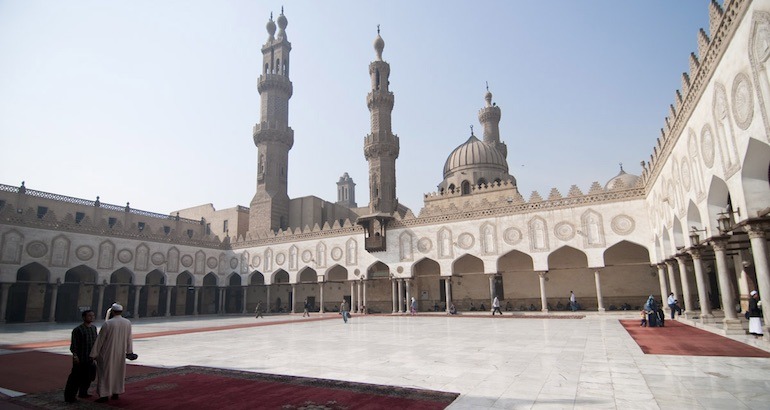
(277, 65)
(267, 67)
(466, 186)
(452, 188)
(377, 79)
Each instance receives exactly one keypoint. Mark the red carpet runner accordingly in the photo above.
(193, 387)
(680, 339)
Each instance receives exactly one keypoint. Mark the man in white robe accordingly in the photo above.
(109, 352)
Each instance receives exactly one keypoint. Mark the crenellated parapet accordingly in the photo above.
(722, 26)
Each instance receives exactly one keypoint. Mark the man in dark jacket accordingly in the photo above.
(83, 370)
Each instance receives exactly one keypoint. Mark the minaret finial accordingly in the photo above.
(281, 9)
(621, 167)
(487, 83)
(471, 130)
(378, 29)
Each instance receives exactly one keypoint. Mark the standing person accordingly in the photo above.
(496, 306)
(573, 301)
(258, 311)
(110, 350)
(307, 309)
(344, 311)
(82, 374)
(755, 315)
(672, 304)
(413, 306)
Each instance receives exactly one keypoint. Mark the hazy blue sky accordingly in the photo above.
(153, 102)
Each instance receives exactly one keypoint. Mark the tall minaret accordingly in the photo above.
(273, 136)
(381, 146)
(489, 117)
(346, 191)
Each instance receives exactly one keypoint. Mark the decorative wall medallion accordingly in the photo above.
(125, 255)
(622, 224)
(465, 240)
(686, 176)
(157, 258)
(336, 253)
(256, 260)
(743, 101)
(233, 263)
(37, 249)
(187, 261)
(707, 145)
(564, 231)
(307, 256)
(512, 236)
(280, 258)
(400, 269)
(212, 262)
(424, 245)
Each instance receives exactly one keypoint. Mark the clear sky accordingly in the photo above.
(153, 102)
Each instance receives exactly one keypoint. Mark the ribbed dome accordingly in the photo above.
(474, 153)
(628, 180)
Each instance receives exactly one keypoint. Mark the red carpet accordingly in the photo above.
(680, 339)
(193, 387)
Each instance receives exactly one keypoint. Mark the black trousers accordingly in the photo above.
(496, 309)
(78, 381)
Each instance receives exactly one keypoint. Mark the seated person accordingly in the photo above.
(452, 309)
(532, 307)
(473, 307)
(482, 308)
(560, 306)
(508, 306)
(435, 307)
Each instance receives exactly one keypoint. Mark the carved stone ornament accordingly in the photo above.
(280, 259)
(256, 260)
(512, 236)
(212, 262)
(37, 249)
(125, 256)
(564, 231)
(307, 256)
(187, 261)
(707, 145)
(686, 176)
(157, 258)
(84, 252)
(424, 245)
(337, 253)
(622, 224)
(743, 101)
(233, 263)
(465, 240)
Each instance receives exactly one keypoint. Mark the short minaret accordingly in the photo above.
(489, 117)
(381, 147)
(346, 191)
(273, 136)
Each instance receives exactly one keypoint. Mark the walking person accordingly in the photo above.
(755, 314)
(83, 370)
(306, 312)
(258, 311)
(344, 311)
(413, 306)
(573, 301)
(496, 306)
(112, 346)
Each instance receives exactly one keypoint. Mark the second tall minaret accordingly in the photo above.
(381, 147)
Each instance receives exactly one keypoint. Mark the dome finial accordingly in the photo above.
(488, 95)
(472, 131)
(379, 44)
(378, 29)
(621, 167)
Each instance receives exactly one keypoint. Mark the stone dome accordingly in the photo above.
(627, 180)
(474, 153)
(271, 27)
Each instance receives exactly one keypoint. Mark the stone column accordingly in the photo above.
(293, 296)
(195, 304)
(245, 295)
(137, 292)
(100, 299)
(169, 289)
(543, 299)
(4, 289)
(731, 321)
(491, 289)
(360, 298)
(353, 301)
(222, 302)
(394, 293)
(700, 281)
(599, 299)
(400, 292)
(663, 286)
(686, 295)
(267, 295)
(758, 240)
(321, 295)
(672, 279)
(448, 292)
(54, 294)
(363, 284)
(408, 294)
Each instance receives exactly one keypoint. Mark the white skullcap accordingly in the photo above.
(117, 307)
(753, 292)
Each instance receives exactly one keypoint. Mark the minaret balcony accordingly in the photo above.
(275, 82)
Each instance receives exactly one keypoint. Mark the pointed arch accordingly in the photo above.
(667, 246)
(185, 279)
(81, 274)
(280, 276)
(717, 200)
(122, 276)
(426, 267)
(693, 217)
(626, 253)
(257, 278)
(678, 234)
(210, 279)
(33, 272)
(308, 275)
(515, 261)
(336, 273)
(155, 277)
(567, 257)
(755, 176)
(467, 264)
(234, 279)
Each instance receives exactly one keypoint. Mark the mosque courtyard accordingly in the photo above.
(503, 362)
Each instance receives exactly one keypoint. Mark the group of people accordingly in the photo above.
(100, 356)
(652, 314)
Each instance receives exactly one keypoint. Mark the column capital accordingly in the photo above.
(542, 274)
(757, 229)
(695, 252)
(720, 243)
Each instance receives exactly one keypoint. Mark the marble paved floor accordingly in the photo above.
(500, 363)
